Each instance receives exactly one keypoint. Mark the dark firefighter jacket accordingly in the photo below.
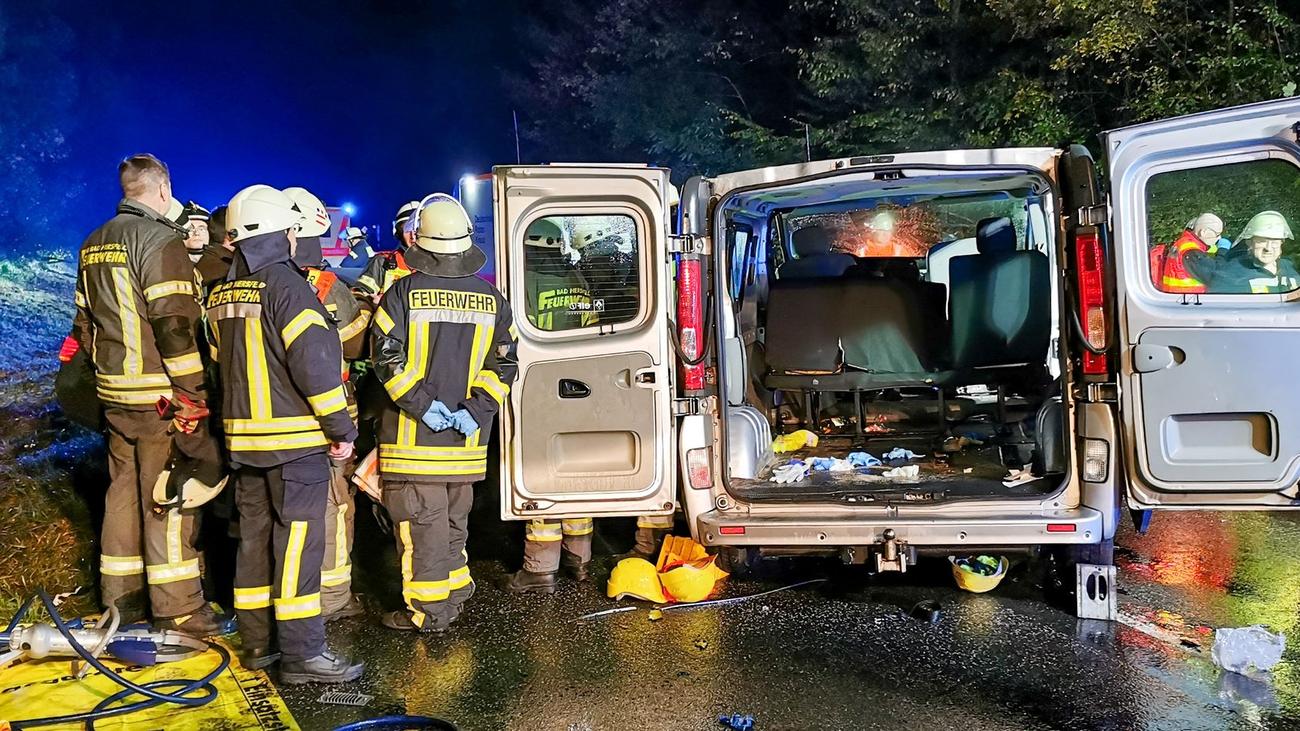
(1241, 273)
(281, 361)
(384, 268)
(137, 310)
(214, 265)
(443, 338)
(348, 315)
(558, 296)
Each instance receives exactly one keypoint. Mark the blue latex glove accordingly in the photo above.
(898, 453)
(438, 417)
(862, 459)
(464, 423)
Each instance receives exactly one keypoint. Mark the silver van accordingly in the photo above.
(999, 315)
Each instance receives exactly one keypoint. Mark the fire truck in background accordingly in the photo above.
(475, 193)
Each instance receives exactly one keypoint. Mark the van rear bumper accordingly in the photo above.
(1081, 525)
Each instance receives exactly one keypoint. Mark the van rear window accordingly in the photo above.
(581, 271)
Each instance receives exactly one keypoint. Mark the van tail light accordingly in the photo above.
(731, 530)
(690, 318)
(1096, 460)
(699, 468)
(1091, 269)
(1061, 527)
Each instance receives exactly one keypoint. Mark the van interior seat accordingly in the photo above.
(1000, 301)
(812, 247)
(853, 334)
(940, 256)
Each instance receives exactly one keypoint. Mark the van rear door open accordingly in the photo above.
(581, 256)
(1209, 354)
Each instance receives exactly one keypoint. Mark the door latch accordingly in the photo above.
(686, 406)
(1097, 215)
(689, 244)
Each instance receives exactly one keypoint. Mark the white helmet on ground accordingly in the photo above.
(314, 219)
(442, 226)
(260, 209)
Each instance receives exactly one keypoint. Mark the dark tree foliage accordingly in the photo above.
(712, 85)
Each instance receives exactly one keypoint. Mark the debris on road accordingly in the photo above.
(1246, 649)
(344, 698)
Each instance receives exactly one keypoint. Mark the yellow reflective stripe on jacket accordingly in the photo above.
(131, 398)
(256, 597)
(274, 443)
(327, 403)
(543, 531)
(127, 381)
(482, 340)
(183, 365)
(167, 289)
(432, 453)
(354, 328)
(275, 425)
(80, 300)
(299, 324)
(414, 368)
(384, 321)
(419, 467)
(259, 379)
(133, 361)
(299, 607)
(489, 381)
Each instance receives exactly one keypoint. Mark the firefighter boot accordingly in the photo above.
(573, 567)
(354, 608)
(327, 667)
(258, 658)
(202, 623)
(401, 621)
(524, 582)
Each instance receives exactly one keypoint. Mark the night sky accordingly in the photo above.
(368, 103)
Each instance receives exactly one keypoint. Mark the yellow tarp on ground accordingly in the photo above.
(246, 700)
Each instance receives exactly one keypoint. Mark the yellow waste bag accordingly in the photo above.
(246, 699)
(794, 441)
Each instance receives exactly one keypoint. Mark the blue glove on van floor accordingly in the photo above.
(438, 417)
(464, 423)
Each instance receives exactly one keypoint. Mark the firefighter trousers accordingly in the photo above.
(281, 548)
(340, 524)
(431, 524)
(547, 542)
(141, 548)
(650, 532)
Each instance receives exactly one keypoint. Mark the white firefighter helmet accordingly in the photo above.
(191, 493)
(544, 233)
(313, 220)
(260, 209)
(404, 215)
(174, 210)
(1266, 225)
(352, 234)
(590, 230)
(442, 226)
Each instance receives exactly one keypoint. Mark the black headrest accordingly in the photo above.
(811, 241)
(995, 236)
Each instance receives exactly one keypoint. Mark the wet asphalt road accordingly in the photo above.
(844, 654)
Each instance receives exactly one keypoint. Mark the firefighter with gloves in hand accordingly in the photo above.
(443, 345)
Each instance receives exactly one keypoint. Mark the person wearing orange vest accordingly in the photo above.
(386, 267)
(1189, 261)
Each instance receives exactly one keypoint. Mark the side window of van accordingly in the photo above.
(1225, 229)
(581, 271)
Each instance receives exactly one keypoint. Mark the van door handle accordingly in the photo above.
(569, 388)
(1151, 358)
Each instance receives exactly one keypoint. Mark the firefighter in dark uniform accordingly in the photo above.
(386, 267)
(350, 315)
(443, 345)
(285, 414)
(137, 312)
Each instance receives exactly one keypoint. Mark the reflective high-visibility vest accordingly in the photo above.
(1175, 277)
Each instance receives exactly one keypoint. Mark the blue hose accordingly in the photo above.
(152, 696)
(400, 722)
